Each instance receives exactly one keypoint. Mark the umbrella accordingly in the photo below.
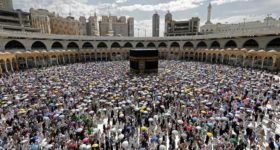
(95, 145)
(24, 141)
(198, 128)
(162, 147)
(83, 146)
(154, 138)
(209, 124)
(194, 119)
(125, 144)
(155, 116)
(209, 134)
(233, 140)
(72, 146)
(194, 115)
(224, 119)
(184, 135)
(204, 112)
(151, 119)
(113, 129)
(79, 130)
(34, 147)
(86, 140)
(175, 132)
(250, 125)
(121, 115)
(121, 136)
(143, 128)
(180, 121)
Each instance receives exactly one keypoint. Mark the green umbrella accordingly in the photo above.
(233, 140)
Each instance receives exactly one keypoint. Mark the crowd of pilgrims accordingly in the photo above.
(102, 106)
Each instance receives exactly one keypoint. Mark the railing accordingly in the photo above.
(248, 33)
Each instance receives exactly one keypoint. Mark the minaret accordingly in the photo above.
(96, 33)
(209, 14)
(168, 20)
(155, 25)
(110, 30)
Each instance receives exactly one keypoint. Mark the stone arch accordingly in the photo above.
(251, 43)
(57, 45)
(72, 45)
(162, 45)
(115, 45)
(102, 45)
(128, 45)
(38, 45)
(139, 45)
(274, 44)
(151, 45)
(87, 45)
(14, 44)
(188, 45)
(268, 61)
(175, 45)
(215, 44)
(230, 44)
(201, 44)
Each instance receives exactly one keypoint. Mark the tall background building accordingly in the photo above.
(41, 19)
(14, 20)
(51, 23)
(130, 22)
(67, 26)
(181, 28)
(92, 26)
(83, 25)
(6, 5)
(155, 25)
(114, 26)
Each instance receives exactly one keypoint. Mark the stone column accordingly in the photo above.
(243, 63)
(1, 70)
(26, 63)
(11, 65)
(253, 61)
(44, 62)
(262, 63)
(236, 60)
(63, 60)
(274, 62)
(17, 67)
(6, 67)
(35, 62)
(95, 56)
(57, 60)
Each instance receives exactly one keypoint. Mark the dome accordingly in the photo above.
(251, 51)
(272, 51)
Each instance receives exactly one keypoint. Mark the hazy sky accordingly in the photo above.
(231, 11)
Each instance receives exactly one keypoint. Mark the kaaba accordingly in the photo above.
(144, 60)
